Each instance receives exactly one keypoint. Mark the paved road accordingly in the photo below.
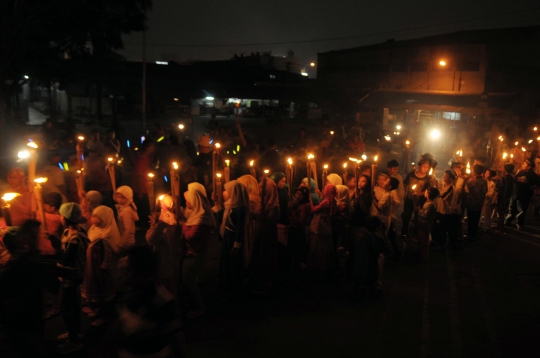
(480, 301)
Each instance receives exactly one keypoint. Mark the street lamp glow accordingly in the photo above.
(312, 64)
(181, 127)
(23, 154)
(209, 98)
(435, 134)
(442, 63)
(398, 127)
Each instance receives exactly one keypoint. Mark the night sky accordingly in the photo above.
(211, 28)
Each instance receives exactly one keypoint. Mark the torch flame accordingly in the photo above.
(376, 158)
(81, 138)
(217, 145)
(289, 161)
(344, 165)
(468, 164)
(110, 159)
(251, 163)
(407, 142)
(431, 171)
(516, 143)
(161, 197)
(414, 187)
(523, 149)
(218, 175)
(23, 154)
(150, 175)
(181, 126)
(505, 155)
(175, 165)
(32, 145)
(364, 157)
(10, 196)
(40, 180)
(332, 132)
(325, 166)
(266, 171)
(227, 161)
(353, 159)
(310, 156)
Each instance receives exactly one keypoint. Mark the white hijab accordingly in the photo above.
(199, 211)
(107, 229)
(167, 216)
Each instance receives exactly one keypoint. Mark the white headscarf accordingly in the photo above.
(128, 193)
(238, 196)
(335, 179)
(254, 193)
(199, 211)
(342, 196)
(197, 186)
(167, 216)
(107, 230)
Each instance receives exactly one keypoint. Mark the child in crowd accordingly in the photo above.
(89, 201)
(423, 219)
(321, 251)
(163, 237)
(300, 215)
(476, 188)
(487, 209)
(98, 285)
(72, 256)
(127, 216)
(443, 224)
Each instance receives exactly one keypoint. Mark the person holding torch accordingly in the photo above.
(420, 180)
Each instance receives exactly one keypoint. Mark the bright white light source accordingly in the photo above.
(442, 63)
(305, 74)
(162, 63)
(23, 154)
(388, 138)
(26, 77)
(209, 98)
(181, 126)
(312, 64)
(10, 196)
(398, 127)
(435, 134)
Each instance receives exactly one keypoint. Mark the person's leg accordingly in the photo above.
(512, 209)
(406, 218)
(70, 308)
(486, 212)
(191, 268)
(473, 222)
(522, 206)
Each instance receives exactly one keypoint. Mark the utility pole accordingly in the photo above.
(144, 69)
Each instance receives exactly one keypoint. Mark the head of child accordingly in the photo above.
(478, 169)
(364, 183)
(382, 180)
(449, 177)
(52, 202)
(393, 167)
(431, 193)
(166, 202)
(302, 195)
(71, 215)
(329, 192)
(123, 195)
(489, 174)
(509, 168)
(392, 184)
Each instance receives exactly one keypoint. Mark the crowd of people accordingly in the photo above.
(108, 253)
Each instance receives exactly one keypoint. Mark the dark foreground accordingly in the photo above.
(479, 301)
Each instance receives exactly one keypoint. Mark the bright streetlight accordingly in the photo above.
(312, 64)
(435, 134)
(442, 63)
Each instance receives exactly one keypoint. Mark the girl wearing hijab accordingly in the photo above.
(334, 179)
(89, 201)
(127, 216)
(252, 186)
(197, 231)
(321, 255)
(313, 189)
(197, 186)
(232, 232)
(97, 286)
(339, 221)
(264, 264)
(300, 215)
(163, 238)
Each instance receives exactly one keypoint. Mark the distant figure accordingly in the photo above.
(270, 158)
